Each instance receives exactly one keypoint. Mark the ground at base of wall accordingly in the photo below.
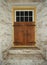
(24, 57)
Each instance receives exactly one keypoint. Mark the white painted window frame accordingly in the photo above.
(23, 10)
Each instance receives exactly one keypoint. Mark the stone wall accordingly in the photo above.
(6, 23)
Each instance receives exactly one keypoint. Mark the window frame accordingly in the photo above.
(28, 8)
(24, 15)
(13, 18)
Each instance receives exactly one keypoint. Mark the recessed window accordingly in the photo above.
(26, 13)
(24, 16)
(26, 19)
(17, 19)
(30, 19)
(22, 19)
(30, 13)
(22, 13)
(17, 13)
